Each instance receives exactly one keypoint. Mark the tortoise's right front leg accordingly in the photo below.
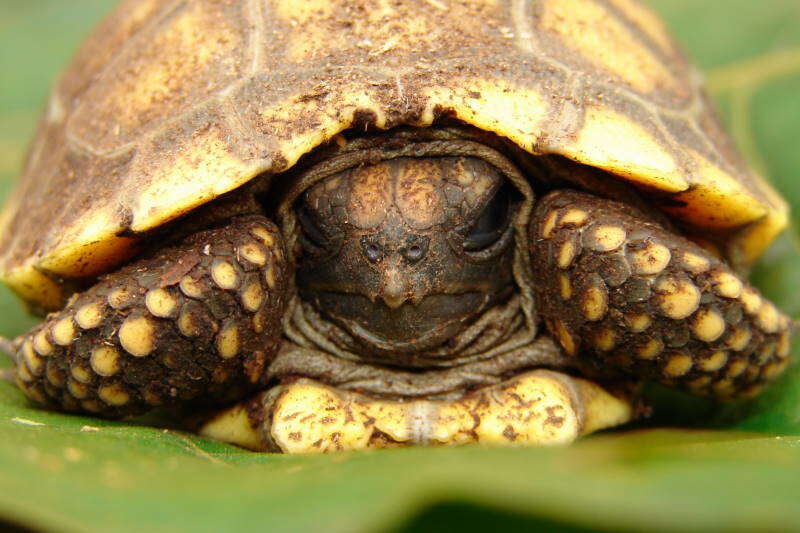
(194, 322)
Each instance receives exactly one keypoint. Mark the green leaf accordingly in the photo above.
(67, 473)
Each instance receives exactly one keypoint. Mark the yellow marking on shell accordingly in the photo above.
(34, 363)
(605, 340)
(540, 407)
(509, 109)
(605, 238)
(233, 425)
(191, 287)
(80, 373)
(713, 362)
(648, 22)
(717, 199)
(694, 263)
(90, 244)
(594, 303)
(160, 303)
(767, 318)
(678, 298)
(224, 275)
(370, 190)
(549, 224)
(77, 389)
(574, 217)
(207, 156)
(650, 349)
(726, 284)
(309, 417)
(114, 395)
(264, 235)
(736, 368)
(253, 252)
(638, 322)
(252, 296)
(750, 300)
(55, 375)
(187, 324)
(651, 259)
(120, 297)
(565, 286)
(34, 286)
(534, 409)
(634, 154)
(596, 35)
(137, 336)
(90, 315)
(739, 338)
(228, 341)
(63, 332)
(678, 364)
(105, 361)
(41, 344)
(565, 338)
(751, 241)
(708, 325)
(566, 254)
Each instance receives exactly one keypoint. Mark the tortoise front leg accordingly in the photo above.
(633, 296)
(194, 322)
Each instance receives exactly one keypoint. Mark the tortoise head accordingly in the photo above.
(408, 252)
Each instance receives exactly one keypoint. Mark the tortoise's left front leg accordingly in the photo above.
(630, 295)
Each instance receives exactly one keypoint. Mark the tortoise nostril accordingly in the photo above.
(373, 253)
(413, 253)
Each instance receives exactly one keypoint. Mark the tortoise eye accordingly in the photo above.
(491, 223)
(312, 233)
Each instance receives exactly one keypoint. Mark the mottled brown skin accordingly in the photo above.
(404, 255)
(196, 322)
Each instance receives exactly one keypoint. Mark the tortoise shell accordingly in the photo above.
(170, 104)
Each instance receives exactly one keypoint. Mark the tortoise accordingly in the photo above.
(323, 225)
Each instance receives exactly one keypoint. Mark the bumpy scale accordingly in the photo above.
(632, 295)
(197, 321)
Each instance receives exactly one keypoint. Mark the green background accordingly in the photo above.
(738, 469)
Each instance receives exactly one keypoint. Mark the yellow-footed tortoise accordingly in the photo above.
(378, 223)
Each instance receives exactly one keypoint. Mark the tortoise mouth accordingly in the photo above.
(384, 332)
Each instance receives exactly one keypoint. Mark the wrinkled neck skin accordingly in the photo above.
(411, 262)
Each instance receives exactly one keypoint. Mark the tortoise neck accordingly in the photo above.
(500, 329)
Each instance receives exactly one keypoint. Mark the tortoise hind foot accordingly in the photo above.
(196, 321)
(537, 408)
(629, 294)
